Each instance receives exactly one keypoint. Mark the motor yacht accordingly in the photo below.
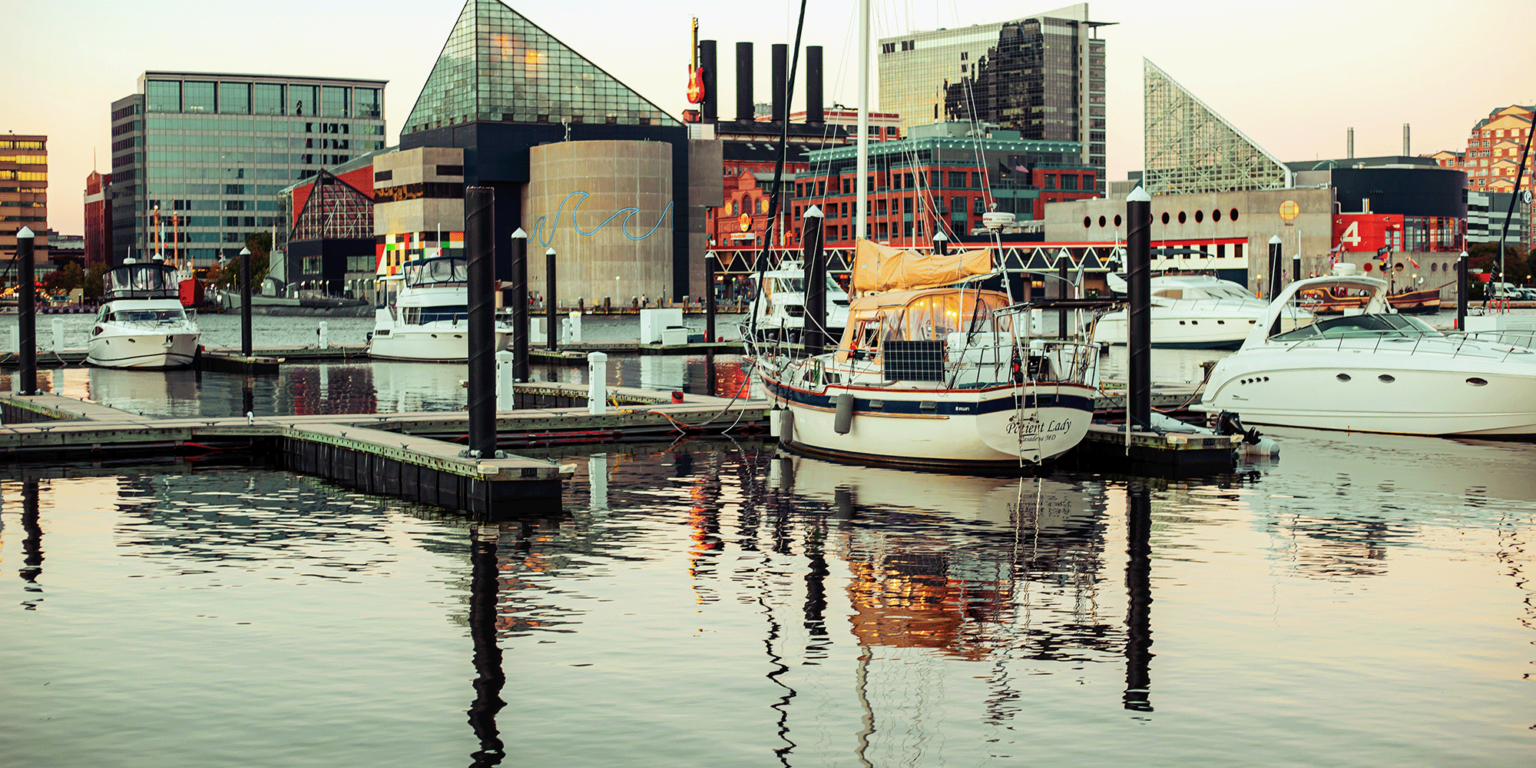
(780, 310)
(422, 313)
(1374, 370)
(932, 370)
(1194, 312)
(141, 322)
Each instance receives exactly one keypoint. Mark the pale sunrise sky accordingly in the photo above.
(1292, 76)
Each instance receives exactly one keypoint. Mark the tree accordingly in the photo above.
(1484, 257)
(65, 278)
(94, 283)
(228, 275)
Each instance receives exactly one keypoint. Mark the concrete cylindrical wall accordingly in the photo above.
(628, 256)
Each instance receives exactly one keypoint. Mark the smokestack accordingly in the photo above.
(1349, 150)
(744, 81)
(813, 105)
(1406, 152)
(780, 54)
(708, 108)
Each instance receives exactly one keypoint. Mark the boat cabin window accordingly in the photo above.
(142, 280)
(147, 316)
(928, 317)
(1359, 326)
(437, 271)
(420, 315)
(1169, 293)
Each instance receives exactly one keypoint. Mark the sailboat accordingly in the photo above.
(933, 368)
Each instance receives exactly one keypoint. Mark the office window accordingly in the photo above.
(301, 100)
(1069, 181)
(268, 98)
(198, 97)
(334, 101)
(367, 102)
(235, 98)
(979, 205)
(164, 96)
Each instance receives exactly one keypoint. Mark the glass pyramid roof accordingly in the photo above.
(500, 67)
(1191, 149)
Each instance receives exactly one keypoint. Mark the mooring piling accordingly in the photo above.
(814, 321)
(480, 247)
(27, 319)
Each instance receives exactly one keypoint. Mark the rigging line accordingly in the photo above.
(778, 179)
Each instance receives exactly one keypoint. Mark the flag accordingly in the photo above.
(1414, 263)
(1381, 253)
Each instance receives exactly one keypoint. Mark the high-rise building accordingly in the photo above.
(1042, 76)
(23, 195)
(98, 219)
(212, 151)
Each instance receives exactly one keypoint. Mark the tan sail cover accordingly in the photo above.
(883, 268)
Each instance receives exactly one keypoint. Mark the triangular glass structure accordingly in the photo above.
(333, 209)
(1191, 149)
(500, 67)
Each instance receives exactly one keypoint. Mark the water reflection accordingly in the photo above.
(31, 544)
(489, 675)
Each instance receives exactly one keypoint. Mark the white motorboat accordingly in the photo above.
(932, 371)
(141, 323)
(1374, 371)
(780, 309)
(422, 313)
(1194, 312)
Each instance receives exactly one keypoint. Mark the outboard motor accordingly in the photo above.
(1229, 423)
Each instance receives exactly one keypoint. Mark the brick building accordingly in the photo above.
(24, 196)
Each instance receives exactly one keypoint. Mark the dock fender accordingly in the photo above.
(781, 425)
(843, 424)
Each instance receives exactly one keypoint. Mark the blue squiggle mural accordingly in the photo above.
(547, 236)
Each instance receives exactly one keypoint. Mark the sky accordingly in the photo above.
(1292, 76)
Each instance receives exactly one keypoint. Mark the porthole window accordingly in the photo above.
(1199, 216)
(1386, 378)
(1216, 215)
(1101, 222)
(1367, 266)
(1087, 222)
(1343, 377)
(1117, 220)
(1232, 214)
(1181, 217)
(1476, 382)
(1165, 217)
(1433, 266)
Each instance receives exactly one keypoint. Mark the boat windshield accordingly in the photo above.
(152, 280)
(932, 316)
(147, 316)
(437, 271)
(1359, 326)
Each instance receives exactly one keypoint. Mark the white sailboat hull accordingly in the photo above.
(435, 342)
(959, 428)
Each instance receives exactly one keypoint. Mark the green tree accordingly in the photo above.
(1484, 257)
(94, 282)
(227, 276)
(65, 279)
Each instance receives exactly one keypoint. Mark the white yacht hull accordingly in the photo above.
(977, 428)
(142, 350)
(429, 342)
(1392, 394)
(1193, 329)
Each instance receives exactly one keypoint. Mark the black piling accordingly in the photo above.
(1138, 590)
(814, 334)
(480, 246)
(941, 244)
(550, 339)
(1062, 265)
(1295, 267)
(520, 305)
(27, 320)
(709, 296)
(1461, 292)
(245, 302)
(1274, 269)
(1138, 215)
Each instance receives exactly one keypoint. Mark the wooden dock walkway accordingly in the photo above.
(415, 456)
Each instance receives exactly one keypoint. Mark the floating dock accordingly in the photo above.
(415, 456)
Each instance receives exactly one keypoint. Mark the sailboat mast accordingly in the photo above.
(861, 184)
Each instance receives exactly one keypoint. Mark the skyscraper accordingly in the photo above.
(23, 195)
(213, 150)
(1042, 76)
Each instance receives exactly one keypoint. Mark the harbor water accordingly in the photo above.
(1361, 600)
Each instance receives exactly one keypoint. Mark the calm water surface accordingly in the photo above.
(1362, 601)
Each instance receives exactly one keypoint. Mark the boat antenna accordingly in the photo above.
(778, 181)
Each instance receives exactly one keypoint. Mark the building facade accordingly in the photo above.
(212, 151)
(24, 198)
(938, 180)
(1495, 149)
(1042, 76)
(98, 219)
(1486, 213)
(418, 206)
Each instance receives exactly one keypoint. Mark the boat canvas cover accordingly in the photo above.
(883, 268)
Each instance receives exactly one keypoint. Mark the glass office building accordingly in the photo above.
(212, 151)
(1042, 76)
